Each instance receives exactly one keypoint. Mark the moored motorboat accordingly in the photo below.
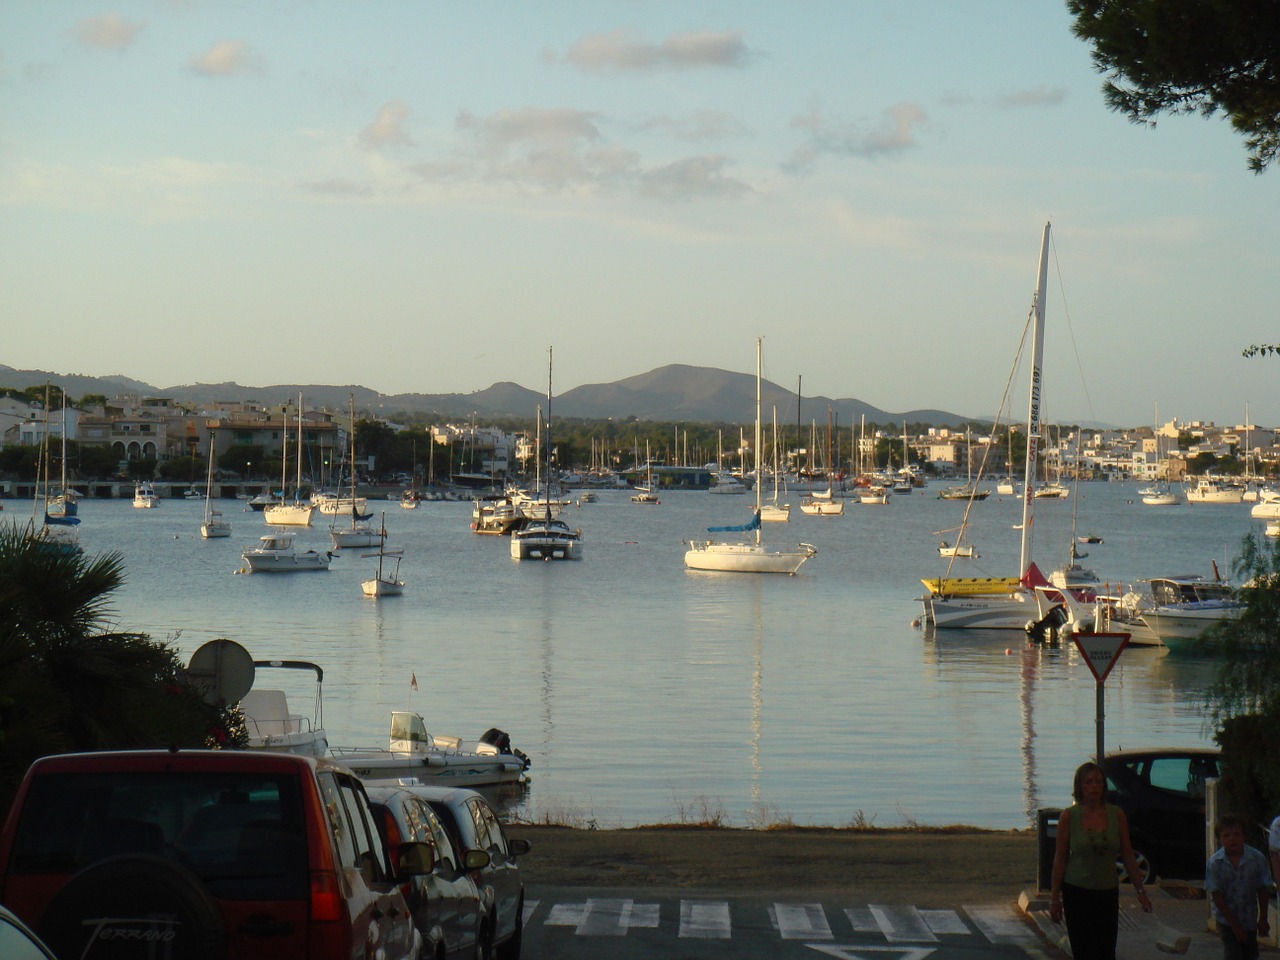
(271, 725)
(275, 553)
(546, 539)
(1211, 489)
(144, 495)
(415, 754)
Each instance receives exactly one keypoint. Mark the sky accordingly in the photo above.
(424, 197)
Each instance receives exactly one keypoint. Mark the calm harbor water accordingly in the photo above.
(644, 692)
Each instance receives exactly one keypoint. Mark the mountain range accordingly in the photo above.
(676, 392)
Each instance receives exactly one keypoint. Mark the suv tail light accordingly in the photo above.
(326, 898)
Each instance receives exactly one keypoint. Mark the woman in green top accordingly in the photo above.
(1092, 836)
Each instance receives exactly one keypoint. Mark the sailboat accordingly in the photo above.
(825, 503)
(645, 494)
(747, 556)
(64, 503)
(57, 534)
(546, 537)
(1003, 602)
(284, 513)
(360, 533)
(777, 510)
(409, 499)
(384, 584)
(214, 526)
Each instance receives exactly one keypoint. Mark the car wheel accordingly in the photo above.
(1146, 873)
(162, 907)
(510, 948)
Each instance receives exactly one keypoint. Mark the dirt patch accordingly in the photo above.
(928, 868)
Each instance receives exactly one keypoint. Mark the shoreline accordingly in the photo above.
(931, 867)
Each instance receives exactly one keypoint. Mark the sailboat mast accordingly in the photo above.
(759, 373)
(548, 477)
(1033, 403)
(297, 490)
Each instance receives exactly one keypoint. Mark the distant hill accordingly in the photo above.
(673, 392)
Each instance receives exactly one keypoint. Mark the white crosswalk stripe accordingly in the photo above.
(902, 923)
(800, 921)
(708, 921)
(899, 924)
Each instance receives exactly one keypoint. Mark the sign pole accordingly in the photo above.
(1099, 711)
(1100, 652)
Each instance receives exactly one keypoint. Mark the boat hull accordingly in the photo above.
(746, 557)
(295, 563)
(435, 769)
(1010, 611)
(382, 588)
(288, 514)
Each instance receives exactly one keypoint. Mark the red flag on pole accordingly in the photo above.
(413, 681)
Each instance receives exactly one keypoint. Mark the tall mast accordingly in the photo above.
(759, 373)
(1033, 403)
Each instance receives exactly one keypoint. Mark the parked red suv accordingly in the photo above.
(207, 855)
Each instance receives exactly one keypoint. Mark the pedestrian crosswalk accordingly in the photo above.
(806, 922)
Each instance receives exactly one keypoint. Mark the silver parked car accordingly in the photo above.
(445, 901)
(474, 827)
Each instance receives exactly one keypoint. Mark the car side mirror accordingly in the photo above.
(518, 848)
(415, 859)
(476, 860)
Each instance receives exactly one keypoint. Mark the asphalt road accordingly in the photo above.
(577, 924)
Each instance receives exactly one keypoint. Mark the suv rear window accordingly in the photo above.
(243, 834)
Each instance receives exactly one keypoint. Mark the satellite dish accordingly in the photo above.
(222, 671)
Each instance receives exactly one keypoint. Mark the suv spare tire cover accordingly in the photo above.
(134, 906)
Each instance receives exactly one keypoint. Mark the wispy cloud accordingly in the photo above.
(620, 50)
(894, 133)
(1041, 96)
(227, 58)
(691, 177)
(560, 149)
(388, 127)
(700, 126)
(337, 188)
(107, 32)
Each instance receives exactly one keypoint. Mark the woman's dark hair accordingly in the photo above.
(1082, 771)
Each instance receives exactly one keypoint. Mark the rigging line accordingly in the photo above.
(1004, 401)
(1071, 333)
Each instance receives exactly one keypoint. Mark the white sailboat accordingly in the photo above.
(777, 510)
(57, 532)
(1003, 602)
(386, 584)
(214, 526)
(747, 556)
(825, 503)
(645, 494)
(284, 513)
(360, 533)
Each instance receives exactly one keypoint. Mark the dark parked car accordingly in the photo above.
(213, 854)
(1161, 792)
(473, 826)
(445, 902)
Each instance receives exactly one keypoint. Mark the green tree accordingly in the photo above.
(69, 680)
(1190, 56)
(1244, 698)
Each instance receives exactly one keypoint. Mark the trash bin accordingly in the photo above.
(1046, 842)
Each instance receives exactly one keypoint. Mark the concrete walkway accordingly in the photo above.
(1176, 925)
